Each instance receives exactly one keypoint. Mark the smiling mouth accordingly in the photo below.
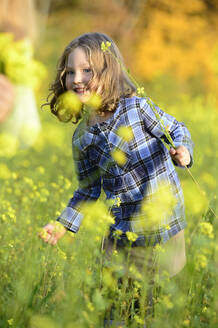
(80, 90)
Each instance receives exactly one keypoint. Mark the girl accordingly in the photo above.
(85, 68)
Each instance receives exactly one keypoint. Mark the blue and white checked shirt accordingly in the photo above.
(148, 164)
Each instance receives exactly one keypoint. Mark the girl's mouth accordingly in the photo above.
(80, 90)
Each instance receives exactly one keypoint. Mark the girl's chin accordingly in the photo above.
(83, 96)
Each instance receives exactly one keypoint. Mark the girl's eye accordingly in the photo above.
(70, 72)
(87, 70)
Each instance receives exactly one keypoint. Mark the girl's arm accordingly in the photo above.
(71, 217)
(183, 152)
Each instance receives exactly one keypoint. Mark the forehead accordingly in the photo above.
(77, 57)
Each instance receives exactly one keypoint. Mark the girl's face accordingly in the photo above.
(78, 73)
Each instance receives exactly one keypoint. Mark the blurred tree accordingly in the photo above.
(178, 38)
(159, 38)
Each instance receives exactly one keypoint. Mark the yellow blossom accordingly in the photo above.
(8, 145)
(167, 302)
(186, 323)
(126, 133)
(157, 207)
(132, 236)
(41, 321)
(139, 320)
(11, 322)
(140, 91)
(105, 46)
(68, 106)
(206, 228)
(119, 156)
(94, 101)
(200, 261)
(5, 173)
(90, 307)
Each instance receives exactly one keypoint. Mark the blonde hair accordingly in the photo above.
(108, 74)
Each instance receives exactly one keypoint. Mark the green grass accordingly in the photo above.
(66, 285)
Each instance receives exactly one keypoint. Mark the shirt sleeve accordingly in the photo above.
(89, 189)
(156, 120)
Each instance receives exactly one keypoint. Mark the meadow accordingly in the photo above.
(69, 285)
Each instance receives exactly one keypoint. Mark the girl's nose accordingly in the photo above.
(77, 78)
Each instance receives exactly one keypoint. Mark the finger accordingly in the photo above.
(47, 238)
(52, 240)
(172, 151)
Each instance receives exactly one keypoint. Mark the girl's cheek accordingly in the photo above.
(68, 83)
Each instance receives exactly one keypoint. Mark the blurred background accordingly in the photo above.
(170, 46)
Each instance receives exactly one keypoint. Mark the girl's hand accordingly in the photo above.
(7, 95)
(52, 232)
(180, 155)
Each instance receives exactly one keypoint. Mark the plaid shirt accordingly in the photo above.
(148, 164)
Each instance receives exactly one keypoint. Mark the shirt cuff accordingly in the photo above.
(71, 219)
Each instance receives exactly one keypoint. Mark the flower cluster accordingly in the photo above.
(17, 63)
(105, 46)
(68, 106)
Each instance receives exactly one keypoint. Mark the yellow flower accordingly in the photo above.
(118, 202)
(139, 320)
(206, 228)
(41, 321)
(117, 233)
(5, 173)
(200, 261)
(10, 322)
(186, 323)
(157, 207)
(41, 169)
(68, 106)
(209, 180)
(195, 201)
(105, 46)
(119, 156)
(94, 101)
(90, 307)
(18, 63)
(140, 91)
(132, 236)
(8, 145)
(126, 133)
(167, 302)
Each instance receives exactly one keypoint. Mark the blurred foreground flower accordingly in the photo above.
(157, 207)
(196, 202)
(94, 101)
(206, 228)
(8, 145)
(17, 63)
(126, 133)
(68, 106)
(96, 218)
(119, 156)
(200, 261)
(131, 236)
(41, 321)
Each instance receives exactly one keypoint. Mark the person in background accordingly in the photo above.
(19, 117)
